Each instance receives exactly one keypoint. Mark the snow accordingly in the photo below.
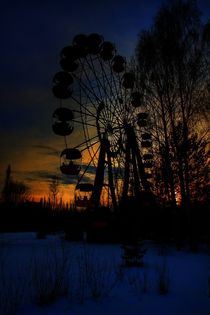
(97, 282)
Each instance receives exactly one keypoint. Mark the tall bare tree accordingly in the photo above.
(14, 191)
(54, 190)
(174, 75)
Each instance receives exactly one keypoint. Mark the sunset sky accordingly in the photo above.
(32, 35)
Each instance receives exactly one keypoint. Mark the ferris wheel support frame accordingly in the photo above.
(141, 170)
(99, 177)
(133, 155)
(111, 183)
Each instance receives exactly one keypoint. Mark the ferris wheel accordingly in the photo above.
(100, 96)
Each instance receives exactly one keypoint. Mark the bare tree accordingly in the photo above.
(14, 191)
(174, 75)
(54, 191)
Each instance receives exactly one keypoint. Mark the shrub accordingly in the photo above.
(163, 278)
(49, 277)
(139, 282)
(12, 291)
(97, 277)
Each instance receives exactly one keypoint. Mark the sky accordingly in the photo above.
(32, 36)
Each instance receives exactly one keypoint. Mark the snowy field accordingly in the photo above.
(56, 277)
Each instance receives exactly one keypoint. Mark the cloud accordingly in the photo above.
(46, 176)
(47, 150)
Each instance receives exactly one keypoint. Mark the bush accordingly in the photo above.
(49, 277)
(12, 291)
(163, 278)
(97, 277)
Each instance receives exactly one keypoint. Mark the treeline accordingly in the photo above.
(32, 216)
(161, 224)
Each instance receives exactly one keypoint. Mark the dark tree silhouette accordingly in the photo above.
(173, 58)
(54, 191)
(14, 191)
(198, 169)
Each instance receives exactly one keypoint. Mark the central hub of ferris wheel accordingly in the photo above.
(109, 125)
(100, 95)
(109, 130)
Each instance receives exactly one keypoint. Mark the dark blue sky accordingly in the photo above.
(32, 35)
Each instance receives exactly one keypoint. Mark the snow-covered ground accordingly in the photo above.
(56, 277)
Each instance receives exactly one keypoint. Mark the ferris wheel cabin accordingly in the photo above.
(63, 121)
(82, 195)
(70, 160)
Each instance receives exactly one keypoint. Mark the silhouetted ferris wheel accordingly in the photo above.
(103, 98)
